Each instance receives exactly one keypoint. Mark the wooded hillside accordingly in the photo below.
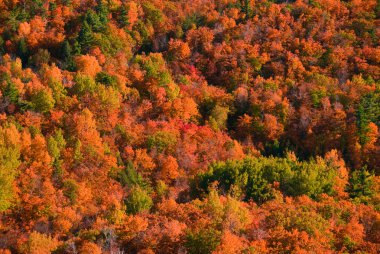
(202, 126)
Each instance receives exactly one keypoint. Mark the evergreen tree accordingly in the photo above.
(360, 184)
(67, 55)
(1, 45)
(70, 190)
(94, 22)
(85, 37)
(66, 50)
(22, 51)
(78, 156)
(130, 177)
(55, 145)
(123, 17)
(103, 12)
(67, 2)
(246, 8)
(76, 48)
(11, 92)
(368, 111)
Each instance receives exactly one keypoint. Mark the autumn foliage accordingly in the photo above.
(205, 126)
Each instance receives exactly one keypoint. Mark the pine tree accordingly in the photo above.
(94, 22)
(11, 92)
(360, 184)
(66, 50)
(22, 51)
(368, 111)
(85, 37)
(123, 17)
(67, 55)
(78, 156)
(76, 48)
(102, 12)
(246, 8)
(55, 145)
(2, 45)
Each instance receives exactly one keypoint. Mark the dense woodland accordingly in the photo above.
(202, 126)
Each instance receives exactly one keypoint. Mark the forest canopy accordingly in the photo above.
(204, 126)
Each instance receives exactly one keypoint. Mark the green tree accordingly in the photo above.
(2, 50)
(11, 92)
(218, 117)
(153, 14)
(368, 111)
(253, 177)
(77, 156)
(67, 56)
(9, 162)
(83, 84)
(13, 19)
(130, 177)
(94, 22)
(161, 141)
(56, 144)
(43, 101)
(310, 178)
(41, 57)
(22, 51)
(76, 48)
(202, 242)
(66, 50)
(156, 70)
(246, 8)
(70, 190)
(85, 37)
(102, 11)
(59, 91)
(138, 201)
(123, 18)
(361, 184)
(67, 2)
(245, 176)
(106, 79)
